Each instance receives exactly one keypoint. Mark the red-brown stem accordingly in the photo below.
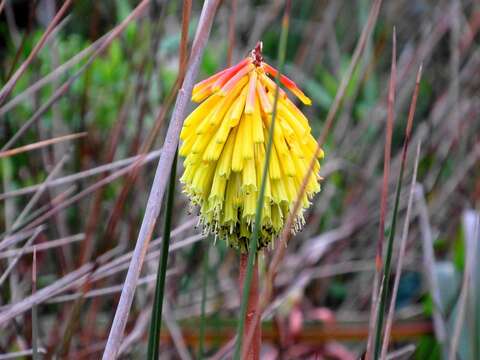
(253, 350)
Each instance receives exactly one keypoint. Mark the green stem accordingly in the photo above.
(387, 271)
(252, 250)
(156, 322)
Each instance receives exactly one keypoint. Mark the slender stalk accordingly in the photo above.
(40, 144)
(252, 250)
(204, 301)
(156, 322)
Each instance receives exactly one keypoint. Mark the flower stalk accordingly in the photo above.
(253, 350)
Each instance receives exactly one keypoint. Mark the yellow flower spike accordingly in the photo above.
(224, 142)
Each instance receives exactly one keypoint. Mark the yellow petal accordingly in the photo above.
(265, 103)
(247, 136)
(271, 86)
(296, 124)
(257, 123)
(237, 157)
(213, 151)
(202, 142)
(287, 164)
(244, 73)
(249, 205)
(202, 111)
(250, 103)
(279, 193)
(187, 145)
(217, 114)
(238, 108)
(296, 112)
(249, 177)
(224, 165)
(231, 203)
(218, 188)
(274, 165)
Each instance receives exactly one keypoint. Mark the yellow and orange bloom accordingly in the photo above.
(224, 145)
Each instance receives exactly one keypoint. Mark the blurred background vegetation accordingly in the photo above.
(322, 295)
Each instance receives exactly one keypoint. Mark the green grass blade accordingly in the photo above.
(387, 267)
(156, 321)
(252, 251)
